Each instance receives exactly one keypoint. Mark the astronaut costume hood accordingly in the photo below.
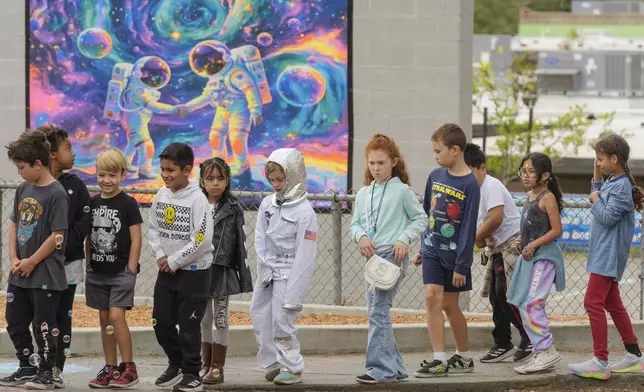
(292, 162)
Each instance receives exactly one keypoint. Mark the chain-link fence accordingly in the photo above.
(339, 277)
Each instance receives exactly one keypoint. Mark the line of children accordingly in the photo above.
(197, 233)
(79, 223)
(614, 203)
(498, 229)
(113, 249)
(387, 219)
(230, 273)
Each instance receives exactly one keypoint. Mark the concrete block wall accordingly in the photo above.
(12, 79)
(412, 71)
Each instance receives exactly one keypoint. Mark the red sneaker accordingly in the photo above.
(103, 377)
(127, 376)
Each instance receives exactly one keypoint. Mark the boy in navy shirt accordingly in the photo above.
(451, 202)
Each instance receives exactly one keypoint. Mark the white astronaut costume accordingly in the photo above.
(137, 103)
(285, 241)
(233, 91)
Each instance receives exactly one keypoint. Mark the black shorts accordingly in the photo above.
(435, 273)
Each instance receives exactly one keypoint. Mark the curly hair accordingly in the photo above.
(389, 146)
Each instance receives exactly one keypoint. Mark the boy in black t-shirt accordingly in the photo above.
(37, 238)
(78, 222)
(113, 248)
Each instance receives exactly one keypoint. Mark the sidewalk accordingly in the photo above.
(337, 373)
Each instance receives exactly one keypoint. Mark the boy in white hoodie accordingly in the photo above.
(285, 241)
(180, 234)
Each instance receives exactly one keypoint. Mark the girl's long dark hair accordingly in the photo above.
(542, 165)
(618, 146)
(207, 167)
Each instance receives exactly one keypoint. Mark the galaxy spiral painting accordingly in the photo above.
(232, 78)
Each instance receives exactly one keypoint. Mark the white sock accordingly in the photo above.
(440, 357)
(464, 354)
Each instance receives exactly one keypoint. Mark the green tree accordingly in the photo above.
(558, 137)
(497, 16)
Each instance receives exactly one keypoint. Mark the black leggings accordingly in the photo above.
(64, 323)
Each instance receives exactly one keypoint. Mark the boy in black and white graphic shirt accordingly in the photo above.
(181, 236)
(113, 248)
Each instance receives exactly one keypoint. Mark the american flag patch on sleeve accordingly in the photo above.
(310, 235)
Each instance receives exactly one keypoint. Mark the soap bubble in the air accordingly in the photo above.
(294, 23)
(264, 39)
(109, 330)
(34, 359)
(67, 339)
(25, 351)
(67, 352)
(55, 332)
(9, 297)
(154, 322)
(94, 43)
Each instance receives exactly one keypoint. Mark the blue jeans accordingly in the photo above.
(384, 362)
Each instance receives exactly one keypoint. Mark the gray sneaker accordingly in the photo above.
(629, 364)
(59, 383)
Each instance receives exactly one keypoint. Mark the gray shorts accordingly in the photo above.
(105, 291)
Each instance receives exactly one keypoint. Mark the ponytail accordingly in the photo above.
(553, 186)
(638, 194)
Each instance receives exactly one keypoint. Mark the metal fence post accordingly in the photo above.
(336, 223)
(1, 234)
(642, 267)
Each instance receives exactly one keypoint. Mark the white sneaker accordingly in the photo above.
(59, 382)
(629, 364)
(521, 369)
(545, 360)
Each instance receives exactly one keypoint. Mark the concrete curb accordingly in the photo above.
(338, 339)
(552, 381)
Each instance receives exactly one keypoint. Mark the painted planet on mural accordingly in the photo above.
(94, 43)
(301, 86)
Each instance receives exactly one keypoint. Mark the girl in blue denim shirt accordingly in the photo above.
(387, 218)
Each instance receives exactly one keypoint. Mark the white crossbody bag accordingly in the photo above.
(381, 274)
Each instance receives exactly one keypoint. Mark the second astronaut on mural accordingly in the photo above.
(237, 88)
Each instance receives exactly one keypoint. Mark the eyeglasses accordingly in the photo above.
(531, 173)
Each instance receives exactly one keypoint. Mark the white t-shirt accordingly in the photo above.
(494, 194)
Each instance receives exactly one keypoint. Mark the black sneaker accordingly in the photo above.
(366, 379)
(19, 377)
(42, 382)
(434, 368)
(498, 354)
(169, 378)
(57, 375)
(458, 364)
(524, 351)
(189, 383)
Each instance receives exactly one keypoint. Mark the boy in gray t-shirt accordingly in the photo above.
(37, 238)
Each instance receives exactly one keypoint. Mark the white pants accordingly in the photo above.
(275, 328)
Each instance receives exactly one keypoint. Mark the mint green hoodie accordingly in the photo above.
(401, 216)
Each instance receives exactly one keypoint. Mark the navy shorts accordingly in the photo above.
(435, 273)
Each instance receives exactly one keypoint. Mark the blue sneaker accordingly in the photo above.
(288, 378)
(272, 371)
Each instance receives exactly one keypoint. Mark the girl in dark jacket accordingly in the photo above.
(230, 273)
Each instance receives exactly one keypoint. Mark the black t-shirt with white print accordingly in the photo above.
(110, 236)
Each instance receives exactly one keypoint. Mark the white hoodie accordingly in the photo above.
(286, 232)
(181, 228)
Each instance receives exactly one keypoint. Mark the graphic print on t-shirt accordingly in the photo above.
(175, 221)
(446, 216)
(106, 225)
(30, 211)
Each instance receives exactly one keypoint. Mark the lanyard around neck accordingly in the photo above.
(373, 188)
